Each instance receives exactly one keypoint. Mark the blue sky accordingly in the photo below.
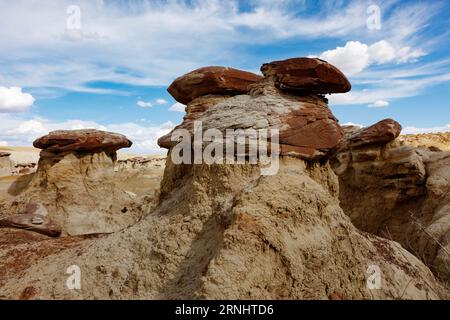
(107, 64)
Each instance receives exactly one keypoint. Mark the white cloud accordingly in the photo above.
(355, 56)
(161, 101)
(350, 59)
(178, 107)
(4, 143)
(381, 52)
(38, 52)
(14, 100)
(406, 54)
(19, 132)
(391, 87)
(144, 104)
(352, 124)
(30, 127)
(415, 130)
(379, 104)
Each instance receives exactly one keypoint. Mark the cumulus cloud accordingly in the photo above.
(379, 104)
(381, 52)
(355, 56)
(350, 59)
(178, 107)
(144, 104)
(29, 127)
(19, 132)
(14, 100)
(4, 143)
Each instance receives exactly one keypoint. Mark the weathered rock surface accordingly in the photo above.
(87, 140)
(140, 163)
(307, 128)
(211, 80)
(225, 232)
(31, 222)
(307, 75)
(380, 133)
(75, 182)
(433, 141)
(397, 191)
(5, 164)
(24, 168)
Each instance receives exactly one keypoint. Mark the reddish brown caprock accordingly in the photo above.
(312, 131)
(88, 140)
(381, 132)
(307, 75)
(211, 80)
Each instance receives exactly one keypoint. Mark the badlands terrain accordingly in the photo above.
(346, 202)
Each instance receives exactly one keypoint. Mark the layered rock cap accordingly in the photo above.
(211, 80)
(307, 127)
(87, 140)
(380, 133)
(307, 75)
(4, 154)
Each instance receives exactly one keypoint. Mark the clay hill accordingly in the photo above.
(344, 202)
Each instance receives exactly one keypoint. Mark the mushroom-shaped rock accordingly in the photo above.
(88, 140)
(380, 133)
(307, 75)
(211, 80)
(4, 154)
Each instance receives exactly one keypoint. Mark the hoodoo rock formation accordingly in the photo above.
(74, 180)
(225, 231)
(401, 191)
(307, 128)
(5, 164)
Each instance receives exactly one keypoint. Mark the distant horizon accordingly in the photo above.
(106, 64)
(163, 152)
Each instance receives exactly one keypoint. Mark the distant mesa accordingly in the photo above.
(211, 80)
